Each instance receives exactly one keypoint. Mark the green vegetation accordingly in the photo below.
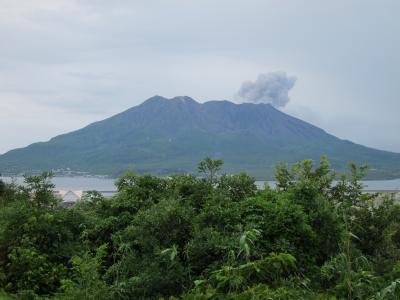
(215, 237)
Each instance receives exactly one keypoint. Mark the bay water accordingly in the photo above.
(107, 184)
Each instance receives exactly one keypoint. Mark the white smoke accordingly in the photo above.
(270, 88)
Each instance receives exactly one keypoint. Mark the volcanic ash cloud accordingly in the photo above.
(272, 88)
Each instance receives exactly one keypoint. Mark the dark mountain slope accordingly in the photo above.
(164, 136)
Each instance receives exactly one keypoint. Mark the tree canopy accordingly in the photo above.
(214, 237)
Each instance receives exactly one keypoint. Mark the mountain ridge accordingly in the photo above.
(164, 136)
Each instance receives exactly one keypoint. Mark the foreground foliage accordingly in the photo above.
(214, 237)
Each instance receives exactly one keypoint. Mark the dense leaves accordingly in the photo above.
(215, 237)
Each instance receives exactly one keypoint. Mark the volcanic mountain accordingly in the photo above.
(164, 136)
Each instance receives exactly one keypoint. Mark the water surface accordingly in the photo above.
(107, 184)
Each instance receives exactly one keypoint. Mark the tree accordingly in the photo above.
(40, 189)
(209, 168)
(2, 188)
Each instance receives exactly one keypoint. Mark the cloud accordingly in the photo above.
(272, 88)
(85, 59)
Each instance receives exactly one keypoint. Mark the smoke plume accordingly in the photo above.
(270, 88)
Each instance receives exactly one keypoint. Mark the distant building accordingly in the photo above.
(68, 197)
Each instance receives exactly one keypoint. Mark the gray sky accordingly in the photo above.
(67, 63)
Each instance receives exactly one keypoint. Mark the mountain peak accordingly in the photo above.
(184, 99)
(168, 135)
(157, 100)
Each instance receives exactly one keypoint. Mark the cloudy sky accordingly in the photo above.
(67, 63)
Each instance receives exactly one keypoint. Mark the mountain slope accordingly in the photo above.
(164, 136)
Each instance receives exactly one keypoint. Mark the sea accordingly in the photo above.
(108, 185)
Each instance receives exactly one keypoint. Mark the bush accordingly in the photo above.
(215, 237)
